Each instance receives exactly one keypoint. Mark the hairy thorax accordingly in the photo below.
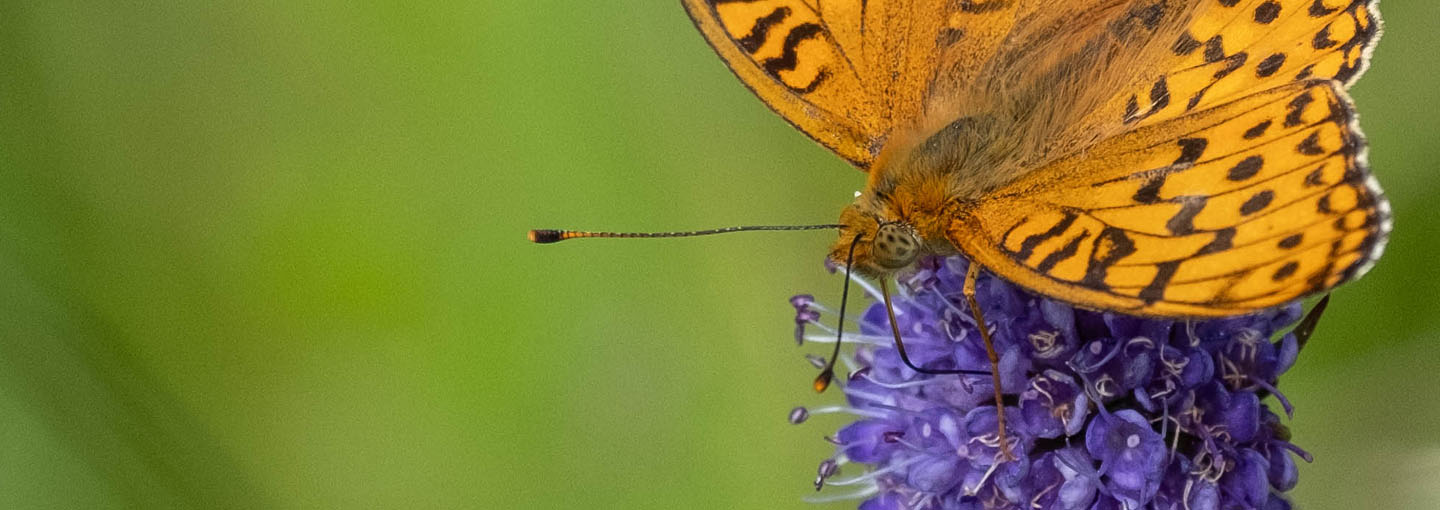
(916, 187)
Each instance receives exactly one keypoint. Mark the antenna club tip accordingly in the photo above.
(822, 382)
(545, 236)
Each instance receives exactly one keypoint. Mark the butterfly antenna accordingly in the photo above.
(547, 236)
(822, 381)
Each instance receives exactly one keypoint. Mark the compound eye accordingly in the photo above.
(895, 246)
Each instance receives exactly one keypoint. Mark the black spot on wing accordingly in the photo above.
(1257, 202)
(1148, 17)
(1183, 222)
(1062, 254)
(1270, 65)
(1159, 99)
(1291, 241)
(949, 36)
(1027, 247)
(1149, 192)
(788, 58)
(1159, 95)
(1362, 38)
(1111, 246)
(1352, 176)
(1317, 280)
(1224, 239)
(1305, 73)
(1310, 146)
(1267, 12)
(1297, 108)
(1155, 290)
(814, 83)
(1232, 63)
(1214, 50)
(1348, 70)
(978, 7)
(1322, 39)
(759, 33)
(1185, 45)
(1257, 130)
(1318, 9)
(1340, 114)
(1316, 177)
(1190, 151)
(1195, 99)
(1246, 168)
(1285, 271)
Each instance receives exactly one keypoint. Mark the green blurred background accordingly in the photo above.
(271, 255)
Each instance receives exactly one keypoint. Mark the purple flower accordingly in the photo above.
(1064, 479)
(1054, 405)
(804, 314)
(1131, 455)
(1102, 410)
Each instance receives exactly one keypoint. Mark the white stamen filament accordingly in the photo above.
(1035, 501)
(908, 384)
(871, 476)
(849, 339)
(971, 491)
(861, 494)
(847, 410)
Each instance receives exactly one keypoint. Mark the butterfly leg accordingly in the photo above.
(969, 290)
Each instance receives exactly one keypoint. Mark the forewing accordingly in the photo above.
(849, 72)
(1232, 48)
(1222, 211)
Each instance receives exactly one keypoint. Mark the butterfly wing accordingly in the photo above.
(1221, 211)
(848, 72)
(1231, 48)
(1228, 174)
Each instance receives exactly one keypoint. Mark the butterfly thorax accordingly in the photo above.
(920, 181)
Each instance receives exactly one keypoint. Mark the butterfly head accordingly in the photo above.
(883, 243)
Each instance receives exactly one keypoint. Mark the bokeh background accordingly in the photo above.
(271, 255)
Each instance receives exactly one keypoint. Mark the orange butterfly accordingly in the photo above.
(1177, 158)
(1166, 158)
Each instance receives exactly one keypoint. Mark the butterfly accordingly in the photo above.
(1172, 158)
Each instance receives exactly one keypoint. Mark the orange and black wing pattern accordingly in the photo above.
(1231, 176)
(848, 73)
(1243, 206)
(1233, 48)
